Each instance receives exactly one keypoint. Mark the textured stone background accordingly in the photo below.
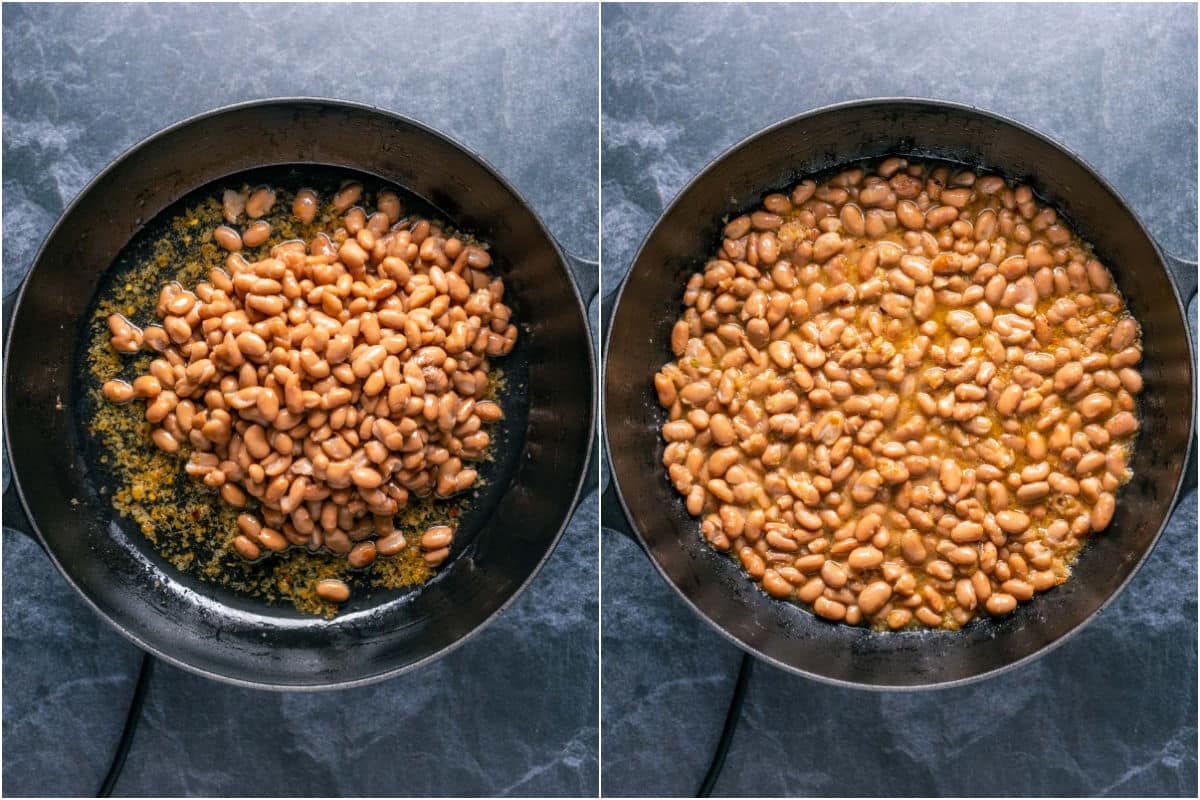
(1111, 712)
(514, 711)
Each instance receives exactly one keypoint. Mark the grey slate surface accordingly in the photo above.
(1111, 712)
(514, 711)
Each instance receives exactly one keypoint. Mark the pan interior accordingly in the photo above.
(650, 302)
(237, 584)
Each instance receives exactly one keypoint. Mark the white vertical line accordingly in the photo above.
(599, 398)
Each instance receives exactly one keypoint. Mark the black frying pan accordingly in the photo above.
(649, 302)
(534, 486)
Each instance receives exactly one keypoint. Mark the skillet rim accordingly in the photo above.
(563, 262)
(899, 101)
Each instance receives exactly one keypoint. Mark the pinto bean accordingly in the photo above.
(256, 234)
(260, 202)
(304, 206)
(227, 238)
(347, 196)
(333, 590)
(118, 391)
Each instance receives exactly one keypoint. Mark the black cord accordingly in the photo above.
(731, 720)
(132, 718)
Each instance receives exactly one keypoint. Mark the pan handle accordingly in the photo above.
(14, 516)
(586, 273)
(612, 515)
(587, 276)
(1188, 481)
(1184, 276)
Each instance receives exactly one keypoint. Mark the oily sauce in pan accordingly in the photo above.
(903, 394)
(186, 522)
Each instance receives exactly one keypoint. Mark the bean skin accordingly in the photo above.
(233, 204)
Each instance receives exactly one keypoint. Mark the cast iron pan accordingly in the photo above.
(541, 467)
(649, 301)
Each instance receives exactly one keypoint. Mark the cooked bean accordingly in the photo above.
(437, 537)
(1094, 406)
(752, 562)
(1123, 334)
(233, 495)
(826, 246)
(256, 234)
(864, 558)
(1000, 604)
(391, 544)
(834, 574)
(1121, 424)
(304, 206)
(775, 585)
(1031, 492)
(872, 598)
(1102, 511)
(347, 196)
(829, 609)
(260, 202)
(118, 391)
(246, 548)
(361, 555)
(910, 215)
(146, 386)
(1019, 589)
(333, 590)
(228, 238)
(271, 539)
(1012, 522)
(164, 440)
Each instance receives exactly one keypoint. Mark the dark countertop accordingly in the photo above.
(1112, 711)
(514, 711)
